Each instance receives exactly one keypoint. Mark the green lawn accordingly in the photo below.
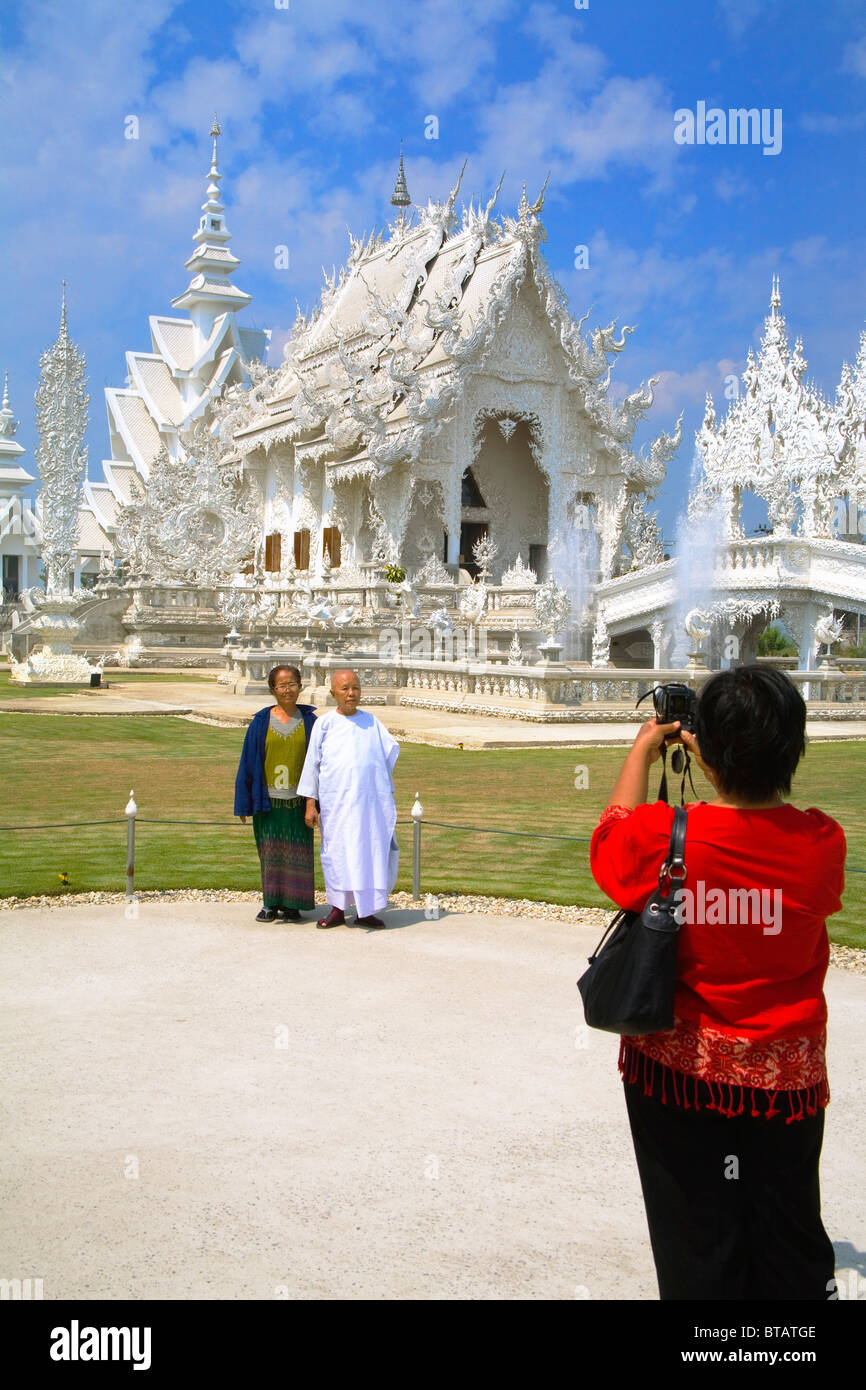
(113, 678)
(57, 770)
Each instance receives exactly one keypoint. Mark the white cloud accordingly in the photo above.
(572, 119)
(731, 185)
(854, 57)
(678, 390)
(811, 250)
(740, 15)
(825, 123)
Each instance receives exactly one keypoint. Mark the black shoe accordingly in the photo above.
(267, 914)
(289, 914)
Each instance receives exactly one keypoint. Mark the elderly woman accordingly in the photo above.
(727, 1107)
(266, 788)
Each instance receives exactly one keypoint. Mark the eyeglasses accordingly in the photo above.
(290, 685)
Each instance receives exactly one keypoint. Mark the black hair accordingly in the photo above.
(274, 672)
(751, 728)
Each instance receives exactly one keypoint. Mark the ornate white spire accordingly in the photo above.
(10, 449)
(61, 421)
(775, 297)
(209, 292)
(8, 423)
(400, 197)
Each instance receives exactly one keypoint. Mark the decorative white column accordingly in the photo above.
(453, 489)
(61, 420)
(658, 632)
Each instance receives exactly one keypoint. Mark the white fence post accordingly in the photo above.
(131, 812)
(417, 816)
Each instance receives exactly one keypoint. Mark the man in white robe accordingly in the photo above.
(349, 772)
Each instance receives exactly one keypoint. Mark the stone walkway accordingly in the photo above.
(201, 1106)
(209, 700)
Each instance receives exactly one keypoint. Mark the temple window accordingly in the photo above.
(273, 551)
(332, 541)
(538, 561)
(470, 491)
(302, 550)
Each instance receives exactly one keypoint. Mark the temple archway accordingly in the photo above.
(512, 487)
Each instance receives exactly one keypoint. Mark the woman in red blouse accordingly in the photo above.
(727, 1107)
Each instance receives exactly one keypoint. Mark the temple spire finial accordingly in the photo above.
(775, 296)
(400, 197)
(63, 328)
(210, 292)
(8, 424)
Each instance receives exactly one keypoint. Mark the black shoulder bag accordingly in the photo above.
(629, 986)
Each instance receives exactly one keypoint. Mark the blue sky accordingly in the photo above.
(314, 99)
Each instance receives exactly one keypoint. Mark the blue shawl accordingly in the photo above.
(251, 789)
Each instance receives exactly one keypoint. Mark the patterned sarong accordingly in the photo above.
(285, 845)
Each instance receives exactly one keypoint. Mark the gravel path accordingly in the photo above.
(211, 1107)
(845, 957)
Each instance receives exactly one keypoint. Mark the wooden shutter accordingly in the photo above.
(302, 550)
(273, 552)
(331, 538)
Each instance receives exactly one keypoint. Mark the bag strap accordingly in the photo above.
(674, 867)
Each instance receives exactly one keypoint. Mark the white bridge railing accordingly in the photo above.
(551, 688)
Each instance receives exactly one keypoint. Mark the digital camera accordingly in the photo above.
(674, 701)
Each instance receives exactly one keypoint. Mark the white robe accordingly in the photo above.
(349, 770)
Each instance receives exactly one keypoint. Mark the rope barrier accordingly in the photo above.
(439, 824)
(493, 830)
(65, 825)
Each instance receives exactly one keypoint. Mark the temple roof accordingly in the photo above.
(151, 375)
(121, 478)
(381, 358)
(103, 502)
(174, 339)
(131, 420)
(91, 536)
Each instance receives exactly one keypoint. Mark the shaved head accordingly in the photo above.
(346, 690)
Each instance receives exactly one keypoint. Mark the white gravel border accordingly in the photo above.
(844, 957)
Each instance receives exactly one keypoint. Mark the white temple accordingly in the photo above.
(805, 458)
(442, 413)
(442, 392)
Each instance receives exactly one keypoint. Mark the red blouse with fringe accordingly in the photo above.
(750, 1014)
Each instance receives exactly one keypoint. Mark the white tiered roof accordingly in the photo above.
(191, 361)
(12, 476)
